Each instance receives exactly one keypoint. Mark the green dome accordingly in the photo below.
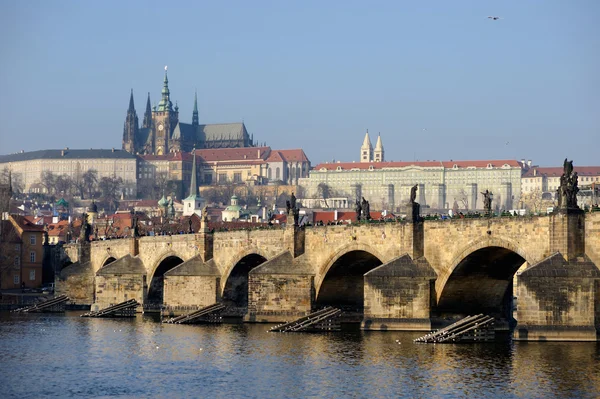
(163, 202)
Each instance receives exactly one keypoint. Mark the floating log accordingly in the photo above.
(208, 314)
(326, 319)
(477, 328)
(123, 309)
(52, 305)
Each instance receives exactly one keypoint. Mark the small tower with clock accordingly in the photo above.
(164, 120)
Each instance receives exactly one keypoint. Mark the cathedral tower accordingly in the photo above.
(164, 120)
(147, 123)
(130, 129)
(195, 120)
(366, 150)
(378, 153)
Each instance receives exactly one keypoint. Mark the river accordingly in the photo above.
(65, 356)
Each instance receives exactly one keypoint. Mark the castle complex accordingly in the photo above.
(162, 132)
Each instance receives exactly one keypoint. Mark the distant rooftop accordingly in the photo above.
(67, 154)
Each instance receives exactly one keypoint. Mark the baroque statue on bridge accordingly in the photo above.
(567, 191)
(487, 201)
(358, 209)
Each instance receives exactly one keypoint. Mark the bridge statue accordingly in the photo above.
(366, 209)
(293, 201)
(358, 209)
(487, 201)
(413, 193)
(86, 229)
(413, 205)
(567, 191)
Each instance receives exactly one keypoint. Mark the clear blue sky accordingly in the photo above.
(312, 74)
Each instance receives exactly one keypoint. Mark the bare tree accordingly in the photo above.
(532, 200)
(63, 184)
(110, 188)
(324, 192)
(48, 181)
(90, 179)
(463, 197)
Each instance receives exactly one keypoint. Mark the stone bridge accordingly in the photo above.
(387, 276)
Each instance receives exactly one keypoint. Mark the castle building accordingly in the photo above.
(386, 185)
(162, 132)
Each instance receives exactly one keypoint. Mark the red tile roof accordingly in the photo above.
(25, 224)
(233, 154)
(558, 171)
(295, 155)
(422, 164)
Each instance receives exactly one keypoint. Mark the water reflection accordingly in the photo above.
(68, 356)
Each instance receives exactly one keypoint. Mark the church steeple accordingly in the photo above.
(366, 150)
(195, 120)
(165, 103)
(131, 105)
(130, 129)
(378, 153)
(147, 115)
(193, 203)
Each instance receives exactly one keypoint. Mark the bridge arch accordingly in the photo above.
(341, 282)
(107, 260)
(234, 284)
(479, 279)
(165, 263)
(322, 272)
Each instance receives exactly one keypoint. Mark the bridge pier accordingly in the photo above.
(397, 295)
(557, 297)
(280, 289)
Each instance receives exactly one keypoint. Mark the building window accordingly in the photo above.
(16, 279)
(32, 256)
(222, 177)
(32, 275)
(277, 172)
(32, 239)
(17, 261)
(237, 177)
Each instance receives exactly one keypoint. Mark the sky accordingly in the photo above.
(437, 79)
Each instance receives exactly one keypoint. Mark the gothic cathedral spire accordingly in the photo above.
(195, 120)
(165, 103)
(147, 115)
(130, 129)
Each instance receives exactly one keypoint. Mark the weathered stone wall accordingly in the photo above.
(566, 234)
(101, 251)
(552, 308)
(76, 281)
(153, 250)
(117, 288)
(279, 298)
(592, 237)
(230, 247)
(396, 303)
(190, 292)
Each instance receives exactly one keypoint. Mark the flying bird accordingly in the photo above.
(495, 18)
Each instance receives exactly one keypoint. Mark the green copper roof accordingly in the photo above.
(163, 202)
(193, 186)
(165, 103)
(62, 202)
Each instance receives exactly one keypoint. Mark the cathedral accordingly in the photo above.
(162, 132)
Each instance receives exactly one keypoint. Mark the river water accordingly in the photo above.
(64, 356)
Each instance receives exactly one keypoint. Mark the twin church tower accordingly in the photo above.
(162, 132)
(367, 154)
